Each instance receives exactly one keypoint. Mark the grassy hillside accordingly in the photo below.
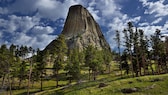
(145, 85)
(111, 84)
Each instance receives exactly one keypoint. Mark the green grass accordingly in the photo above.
(114, 86)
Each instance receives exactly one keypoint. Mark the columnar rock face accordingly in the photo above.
(81, 30)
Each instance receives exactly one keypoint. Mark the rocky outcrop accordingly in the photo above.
(81, 29)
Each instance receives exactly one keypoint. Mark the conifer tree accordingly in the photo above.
(73, 65)
(157, 48)
(60, 54)
(94, 60)
(40, 66)
(118, 40)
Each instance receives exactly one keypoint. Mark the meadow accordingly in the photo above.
(113, 84)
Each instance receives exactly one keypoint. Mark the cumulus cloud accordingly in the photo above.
(94, 13)
(37, 30)
(25, 30)
(143, 24)
(45, 8)
(50, 9)
(15, 23)
(156, 21)
(109, 8)
(157, 8)
(28, 28)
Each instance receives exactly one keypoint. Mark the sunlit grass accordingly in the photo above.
(114, 84)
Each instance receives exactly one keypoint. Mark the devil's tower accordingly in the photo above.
(81, 30)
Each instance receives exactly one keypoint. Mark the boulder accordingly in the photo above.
(130, 90)
(102, 85)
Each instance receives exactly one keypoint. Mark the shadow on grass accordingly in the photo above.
(37, 91)
(83, 85)
(32, 92)
(76, 87)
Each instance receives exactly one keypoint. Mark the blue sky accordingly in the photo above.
(37, 22)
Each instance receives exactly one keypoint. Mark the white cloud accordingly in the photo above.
(40, 41)
(23, 23)
(106, 12)
(42, 30)
(143, 24)
(135, 19)
(25, 30)
(52, 9)
(156, 21)
(37, 41)
(109, 8)
(14, 23)
(157, 8)
(94, 13)
(150, 29)
(21, 39)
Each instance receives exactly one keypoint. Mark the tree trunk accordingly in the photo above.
(56, 78)
(132, 69)
(32, 83)
(28, 87)
(70, 81)
(89, 74)
(158, 67)
(138, 65)
(121, 68)
(109, 69)
(144, 64)
(12, 83)
(94, 75)
(9, 85)
(41, 83)
(3, 81)
(151, 68)
(166, 67)
(20, 82)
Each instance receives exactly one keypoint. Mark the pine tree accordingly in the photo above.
(118, 40)
(107, 57)
(7, 63)
(31, 51)
(73, 65)
(136, 51)
(94, 60)
(158, 49)
(89, 55)
(60, 53)
(40, 67)
(143, 51)
(4, 71)
(130, 41)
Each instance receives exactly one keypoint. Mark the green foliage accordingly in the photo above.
(59, 56)
(60, 53)
(157, 44)
(93, 60)
(73, 65)
(22, 74)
